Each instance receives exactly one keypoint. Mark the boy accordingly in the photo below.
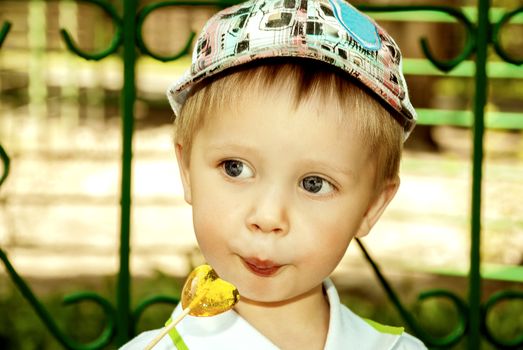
(289, 130)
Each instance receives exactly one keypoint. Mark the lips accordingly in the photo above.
(263, 268)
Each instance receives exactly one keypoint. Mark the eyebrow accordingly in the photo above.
(329, 167)
(231, 147)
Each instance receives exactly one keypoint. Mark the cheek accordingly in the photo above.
(329, 234)
(212, 224)
(207, 229)
(333, 244)
(339, 218)
(326, 255)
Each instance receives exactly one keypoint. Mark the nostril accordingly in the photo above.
(265, 228)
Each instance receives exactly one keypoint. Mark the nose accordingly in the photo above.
(269, 213)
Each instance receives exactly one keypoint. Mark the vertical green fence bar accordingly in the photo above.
(123, 306)
(483, 30)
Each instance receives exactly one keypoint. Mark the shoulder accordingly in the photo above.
(404, 341)
(349, 330)
(370, 334)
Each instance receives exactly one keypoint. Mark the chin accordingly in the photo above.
(266, 294)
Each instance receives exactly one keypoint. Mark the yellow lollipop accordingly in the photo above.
(204, 294)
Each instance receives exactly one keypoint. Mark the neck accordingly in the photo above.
(300, 322)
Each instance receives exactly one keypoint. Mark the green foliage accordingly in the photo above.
(506, 320)
(21, 329)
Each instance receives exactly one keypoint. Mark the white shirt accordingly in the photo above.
(230, 331)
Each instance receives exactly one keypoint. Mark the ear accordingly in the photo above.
(183, 166)
(378, 206)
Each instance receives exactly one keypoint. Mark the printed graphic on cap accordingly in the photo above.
(357, 24)
(331, 31)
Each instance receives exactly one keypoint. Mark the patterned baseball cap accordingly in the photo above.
(331, 31)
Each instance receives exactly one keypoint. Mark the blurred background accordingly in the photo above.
(59, 208)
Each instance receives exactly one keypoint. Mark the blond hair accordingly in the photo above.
(302, 79)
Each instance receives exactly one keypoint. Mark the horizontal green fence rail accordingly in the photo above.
(493, 120)
(466, 69)
(482, 26)
(496, 15)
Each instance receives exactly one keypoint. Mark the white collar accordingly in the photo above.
(231, 331)
(349, 331)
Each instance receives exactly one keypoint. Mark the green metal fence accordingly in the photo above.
(482, 26)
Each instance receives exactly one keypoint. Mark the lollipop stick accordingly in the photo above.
(167, 329)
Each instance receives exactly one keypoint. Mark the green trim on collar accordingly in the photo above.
(176, 337)
(383, 328)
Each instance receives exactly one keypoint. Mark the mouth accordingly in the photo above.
(263, 268)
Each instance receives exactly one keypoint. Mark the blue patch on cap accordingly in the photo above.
(359, 26)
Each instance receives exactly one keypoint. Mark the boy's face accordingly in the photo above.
(278, 194)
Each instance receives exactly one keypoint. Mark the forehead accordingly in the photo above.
(267, 126)
(285, 93)
(300, 80)
(296, 85)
